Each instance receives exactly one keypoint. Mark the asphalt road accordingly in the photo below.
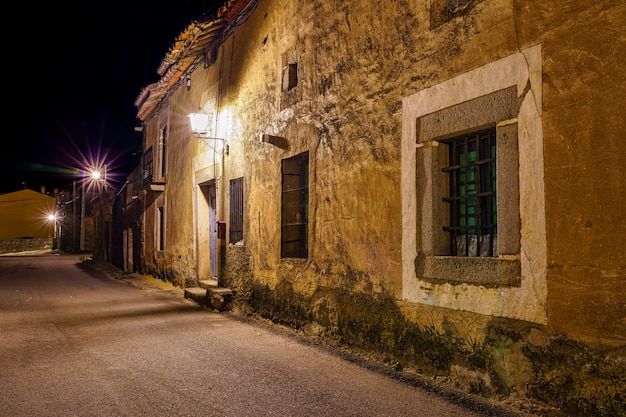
(74, 341)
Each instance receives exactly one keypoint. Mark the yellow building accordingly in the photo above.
(438, 183)
(24, 214)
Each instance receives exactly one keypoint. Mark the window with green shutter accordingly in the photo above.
(472, 198)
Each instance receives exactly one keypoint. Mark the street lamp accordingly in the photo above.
(96, 178)
(52, 218)
(100, 177)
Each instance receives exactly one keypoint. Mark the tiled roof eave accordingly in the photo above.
(189, 48)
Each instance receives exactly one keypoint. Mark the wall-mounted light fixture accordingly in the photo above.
(200, 123)
(201, 128)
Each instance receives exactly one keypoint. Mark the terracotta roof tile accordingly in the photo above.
(190, 47)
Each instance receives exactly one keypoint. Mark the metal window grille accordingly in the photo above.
(236, 210)
(472, 199)
(148, 166)
(161, 228)
(295, 207)
(163, 154)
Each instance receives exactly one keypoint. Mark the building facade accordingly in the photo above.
(438, 183)
(27, 221)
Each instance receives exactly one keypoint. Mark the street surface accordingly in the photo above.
(74, 341)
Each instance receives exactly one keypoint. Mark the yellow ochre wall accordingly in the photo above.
(24, 214)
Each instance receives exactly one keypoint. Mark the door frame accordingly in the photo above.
(208, 266)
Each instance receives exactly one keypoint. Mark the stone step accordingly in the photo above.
(209, 283)
(195, 293)
(217, 298)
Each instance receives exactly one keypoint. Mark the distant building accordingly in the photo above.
(25, 214)
(25, 221)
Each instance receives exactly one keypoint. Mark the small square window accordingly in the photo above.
(290, 77)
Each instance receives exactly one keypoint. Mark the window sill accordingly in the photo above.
(157, 186)
(294, 260)
(474, 270)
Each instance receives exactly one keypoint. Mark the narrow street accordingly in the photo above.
(76, 342)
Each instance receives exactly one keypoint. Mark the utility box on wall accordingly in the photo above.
(221, 230)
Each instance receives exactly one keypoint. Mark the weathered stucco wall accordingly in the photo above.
(177, 263)
(585, 181)
(555, 332)
(354, 198)
(357, 61)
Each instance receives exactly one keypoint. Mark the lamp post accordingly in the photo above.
(82, 214)
(74, 209)
(52, 218)
(72, 234)
(95, 177)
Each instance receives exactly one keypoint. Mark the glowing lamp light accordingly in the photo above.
(98, 176)
(199, 122)
(201, 126)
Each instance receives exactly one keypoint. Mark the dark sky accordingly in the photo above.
(77, 69)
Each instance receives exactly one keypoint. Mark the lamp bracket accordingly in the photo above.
(206, 142)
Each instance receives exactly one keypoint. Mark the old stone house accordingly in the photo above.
(437, 183)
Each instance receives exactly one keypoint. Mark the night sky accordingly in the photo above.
(77, 70)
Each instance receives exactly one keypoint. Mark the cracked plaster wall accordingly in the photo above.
(357, 60)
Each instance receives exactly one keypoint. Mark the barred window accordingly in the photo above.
(148, 165)
(162, 167)
(462, 191)
(160, 228)
(295, 207)
(472, 199)
(236, 211)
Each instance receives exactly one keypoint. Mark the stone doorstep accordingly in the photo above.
(210, 295)
(209, 283)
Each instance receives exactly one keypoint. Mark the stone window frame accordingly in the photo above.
(291, 77)
(526, 299)
(433, 262)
